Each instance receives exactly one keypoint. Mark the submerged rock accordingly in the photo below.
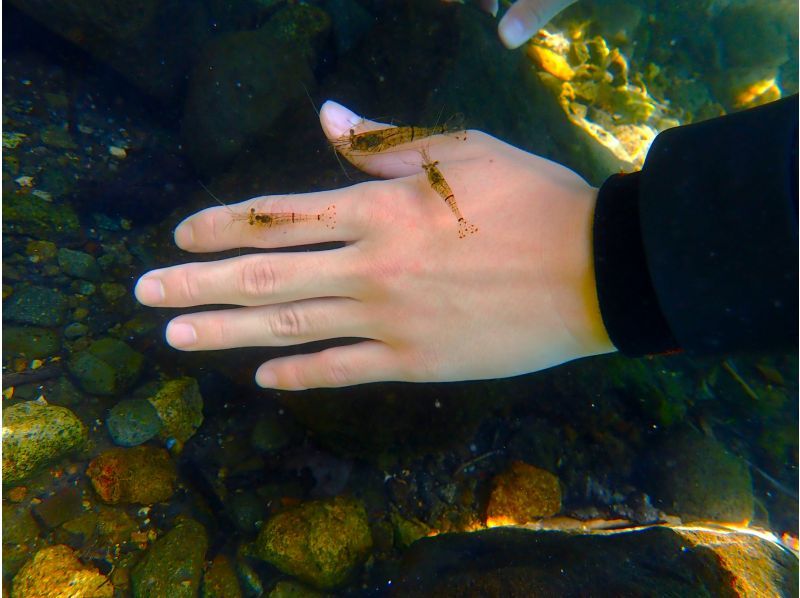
(522, 494)
(78, 264)
(56, 572)
(322, 542)
(143, 474)
(32, 304)
(693, 476)
(656, 561)
(35, 435)
(132, 422)
(220, 579)
(30, 342)
(179, 405)
(107, 367)
(244, 80)
(173, 565)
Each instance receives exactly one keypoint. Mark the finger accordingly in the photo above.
(367, 361)
(398, 161)
(255, 279)
(526, 17)
(277, 221)
(280, 325)
(489, 6)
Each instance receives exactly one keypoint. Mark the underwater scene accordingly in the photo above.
(131, 468)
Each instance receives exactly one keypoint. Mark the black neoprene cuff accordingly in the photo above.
(628, 303)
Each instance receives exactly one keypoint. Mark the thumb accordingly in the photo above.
(398, 156)
(526, 17)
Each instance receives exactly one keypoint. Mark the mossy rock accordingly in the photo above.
(30, 342)
(173, 565)
(322, 543)
(57, 571)
(30, 215)
(180, 408)
(36, 305)
(35, 435)
(107, 367)
(220, 579)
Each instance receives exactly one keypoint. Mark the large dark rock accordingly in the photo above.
(658, 561)
(151, 43)
(244, 80)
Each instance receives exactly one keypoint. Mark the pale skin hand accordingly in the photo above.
(517, 296)
(524, 18)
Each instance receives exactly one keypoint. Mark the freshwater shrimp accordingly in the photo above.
(439, 184)
(269, 219)
(373, 142)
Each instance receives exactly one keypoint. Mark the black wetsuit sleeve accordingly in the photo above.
(699, 250)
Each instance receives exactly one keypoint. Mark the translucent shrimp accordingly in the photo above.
(439, 184)
(373, 142)
(270, 219)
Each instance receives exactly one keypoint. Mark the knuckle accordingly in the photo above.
(337, 372)
(286, 322)
(189, 287)
(257, 278)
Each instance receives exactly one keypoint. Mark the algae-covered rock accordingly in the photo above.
(78, 264)
(132, 422)
(107, 367)
(33, 216)
(407, 531)
(142, 474)
(693, 476)
(32, 304)
(291, 589)
(34, 435)
(173, 565)
(30, 342)
(322, 542)
(56, 572)
(220, 579)
(523, 493)
(180, 408)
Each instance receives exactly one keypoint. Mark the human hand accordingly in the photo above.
(524, 18)
(516, 296)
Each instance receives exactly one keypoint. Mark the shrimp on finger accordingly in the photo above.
(381, 140)
(439, 184)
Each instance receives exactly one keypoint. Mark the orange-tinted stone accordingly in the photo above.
(142, 474)
(521, 494)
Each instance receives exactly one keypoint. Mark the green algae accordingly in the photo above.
(322, 542)
(173, 565)
(180, 408)
(35, 435)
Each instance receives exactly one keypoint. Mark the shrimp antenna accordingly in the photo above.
(335, 153)
(207, 190)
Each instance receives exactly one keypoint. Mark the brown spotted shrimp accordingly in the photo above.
(439, 184)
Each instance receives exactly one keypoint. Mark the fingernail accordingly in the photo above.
(513, 32)
(266, 379)
(338, 118)
(184, 235)
(149, 291)
(181, 335)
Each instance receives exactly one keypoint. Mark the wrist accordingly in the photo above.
(578, 303)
